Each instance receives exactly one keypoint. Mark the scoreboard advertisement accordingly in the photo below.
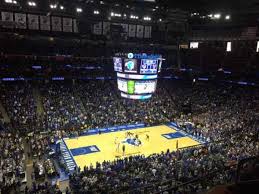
(148, 66)
(117, 64)
(136, 86)
(130, 66)
(137, 74)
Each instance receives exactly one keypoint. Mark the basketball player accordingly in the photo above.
(147, 137)
(118, 147)
(123, 150)
(117, 144)
(115, 141)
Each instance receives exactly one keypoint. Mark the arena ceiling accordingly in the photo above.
(188, 5)
(185, 4)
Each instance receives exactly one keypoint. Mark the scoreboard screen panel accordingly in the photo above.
(148, 66)
(145, 87)
(117, 64)
(122, 85)
(130, 66)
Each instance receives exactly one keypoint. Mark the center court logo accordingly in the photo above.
(132, 141)
(130, 65)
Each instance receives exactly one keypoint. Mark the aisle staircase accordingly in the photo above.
(68, 159)
(38, 101)
(6, 118)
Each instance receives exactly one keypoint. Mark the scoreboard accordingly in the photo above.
(148, 66)
(136, 86)
(137, 74)
(117, 64)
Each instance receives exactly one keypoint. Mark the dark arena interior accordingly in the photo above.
(129, 96)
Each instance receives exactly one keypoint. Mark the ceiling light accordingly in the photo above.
(133, 17)
(96, 12)
(147, 18)
(227, 17)
(79, 10)
(217, 16)
(11, 1)
(32, 3)
(53, 6)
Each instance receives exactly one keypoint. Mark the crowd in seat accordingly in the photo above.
(12, 166)
(224, 115)
(227, 116)
(62, 108)
(20, 105)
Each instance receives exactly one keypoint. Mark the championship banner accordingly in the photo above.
(125, 28)
(67, 25)
(140, 31)
(147, 32)
(97, 28)
(45, 23)
(56, 24)
(7, 18)
(106, 28)
(20, 19)
(75, 27)
(132, 30)
(33, 22)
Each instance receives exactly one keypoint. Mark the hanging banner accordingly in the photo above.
(67, 25)
(56, 24)
(45, 23)
(7, 18)
(33, 22)
(147, 32)
(125, 28)
(75, 27)
(140, 31)
(20, 20)
(106, 28)
(132, 30)
(97, 28)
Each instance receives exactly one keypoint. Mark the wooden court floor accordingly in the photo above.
(90, 149)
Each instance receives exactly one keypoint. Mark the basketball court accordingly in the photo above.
(89, 149)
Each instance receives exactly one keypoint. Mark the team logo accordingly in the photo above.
(132, 141)
(130, 55)
(130, 65)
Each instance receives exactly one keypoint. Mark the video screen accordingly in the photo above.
(145, 87)
(130, 66)
(137, 87)
(148, 66)
(117, 64)
(122, 85)
(194, 45)
(136, 97)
